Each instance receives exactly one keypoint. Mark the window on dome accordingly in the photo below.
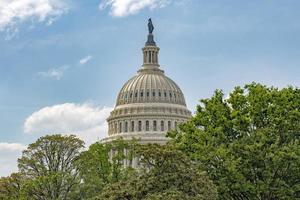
(148, 93)
(136, 95)
(169, 125)
(142, 94)
(153, 93)
(140, 126)
(116, 128)
(126, 127)
(132, 126)
(130, 95)
(154, 126)
(147, 125)
(162, 126)
(165, 95)
(175, 124)
(159, 93)
(126, 96)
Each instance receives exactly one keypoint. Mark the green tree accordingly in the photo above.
(10, 187)
(98, 167)
(248, 143)
(164, 173)
(49, 168)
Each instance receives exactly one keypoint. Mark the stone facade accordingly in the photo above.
(148, 105)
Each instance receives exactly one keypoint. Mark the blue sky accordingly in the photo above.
(63, 60)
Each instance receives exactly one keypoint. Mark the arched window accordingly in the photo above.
(159, 93)
(126, 127)
(132, 126)
(136, 94)
(120, 127)
(142, 94)
(165, 94)
(147, 126)
(153, 93)
(154, 126)
(175, 124)
(162, 125)
(169, 125)
(140, 126)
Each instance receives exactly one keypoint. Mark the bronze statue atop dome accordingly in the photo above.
(150, 26)
(150, 40)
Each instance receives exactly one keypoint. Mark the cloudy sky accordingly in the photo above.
(62, 62)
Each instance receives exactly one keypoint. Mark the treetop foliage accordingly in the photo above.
(249, 143)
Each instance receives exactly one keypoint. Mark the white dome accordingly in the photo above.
(150, 86)
(149, 105)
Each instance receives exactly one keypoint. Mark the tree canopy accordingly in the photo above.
(248, 143)
(164, 173)
(49, 168)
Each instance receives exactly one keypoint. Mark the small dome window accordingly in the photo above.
(140, 126)
(130, 95)
(159, 93)
(162, 126)
(165, 94)
(126, 127)
(136, 95)
(147, 125)
(153, 93)
(154, 126)
(142, 94)
(148, 93)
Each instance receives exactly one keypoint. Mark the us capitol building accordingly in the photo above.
(149, 104)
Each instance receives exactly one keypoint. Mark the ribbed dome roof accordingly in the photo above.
(150, 85)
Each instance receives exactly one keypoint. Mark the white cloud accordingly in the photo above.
(85, 60)
(9, 154)
(86, 121)
(55, 73)
(13, 12)
(11, 147)
(122, 8)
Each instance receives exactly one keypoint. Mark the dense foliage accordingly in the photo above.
(244, 147)
(10, 187)
(99, 168)
(249, 143)
(165, 173)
